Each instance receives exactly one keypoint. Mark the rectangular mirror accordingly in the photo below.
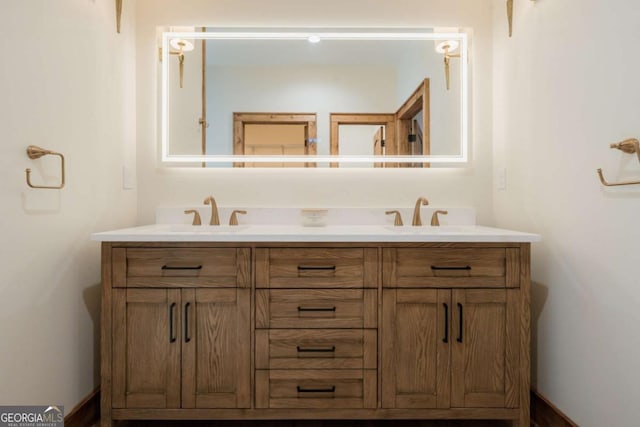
(314, 98)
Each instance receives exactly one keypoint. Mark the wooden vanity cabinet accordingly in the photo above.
(180, 334)
(316, 328)
(315, 331)
(455, 328)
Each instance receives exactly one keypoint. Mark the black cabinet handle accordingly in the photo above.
(187, 338)
(172, 310)
(459, 339)
(168, 267)
(465, 268)
(331, 389)
(446, 322)
(300, 308)
(317, 267)
(331, 349)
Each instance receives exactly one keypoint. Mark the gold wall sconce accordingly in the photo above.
(446, 47)
(629, 146)
(510, 16)
(178, 47)
(35, 152)
(118, 14)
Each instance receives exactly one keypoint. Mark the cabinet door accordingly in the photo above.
(216, 370)
(485, 349)
(146, 348)
(416, 348)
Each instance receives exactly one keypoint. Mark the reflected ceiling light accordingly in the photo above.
(447, 46)
(314, 39)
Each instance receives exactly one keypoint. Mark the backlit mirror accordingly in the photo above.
(313, 98)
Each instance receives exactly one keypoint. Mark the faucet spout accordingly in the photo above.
(422, 201)
(215, 219)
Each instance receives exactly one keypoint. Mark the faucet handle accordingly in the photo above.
(398, 218)
(233, 219)
(434, 218)
(196, 216)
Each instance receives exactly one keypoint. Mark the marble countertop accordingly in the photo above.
(331, 233)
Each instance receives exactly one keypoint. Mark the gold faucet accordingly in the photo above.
(196, 216)
(435, 222)
(422, 201)
(233, 219)
(215, 219)
(398, 218)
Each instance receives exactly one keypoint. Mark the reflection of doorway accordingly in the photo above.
(386, 136)
(414, 126)
(274, 140)
(274, 134)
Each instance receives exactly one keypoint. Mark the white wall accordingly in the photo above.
(565, 86)
(66, 84)
(356, 187)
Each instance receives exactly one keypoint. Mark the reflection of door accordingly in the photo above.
(388, 121)
(413, 125)
(378, 145)
(274, 134)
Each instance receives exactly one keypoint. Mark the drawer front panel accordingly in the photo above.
(315, 308)
(182, 267)
(316, 349)
(316, 388)
(449, 267)
(315, 268)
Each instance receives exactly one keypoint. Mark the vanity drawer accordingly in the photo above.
(451, 267)
(316, 348)
(316, 308)
(346, 388)
(316, 268)
(181, 267)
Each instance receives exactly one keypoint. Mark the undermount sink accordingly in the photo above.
(428, 229)
(212, 229)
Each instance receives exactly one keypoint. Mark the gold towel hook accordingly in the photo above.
(629, 146)
(35, 152)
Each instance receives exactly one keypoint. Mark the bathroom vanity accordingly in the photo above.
(316, 324)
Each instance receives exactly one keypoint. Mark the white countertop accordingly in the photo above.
(332, 233)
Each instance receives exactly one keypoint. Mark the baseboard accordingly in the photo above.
(545, 414)
(86, 413)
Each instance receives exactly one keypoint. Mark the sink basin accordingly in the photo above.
(210, 229)
(427, 229)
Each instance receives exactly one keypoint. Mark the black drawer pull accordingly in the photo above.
(331, 389)
(317, 267)
(172, 309)
(168, 267)
(459, 339)
(300, 308)
(187, 338)
(446, 323)
(466, 267)
(331, 349)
